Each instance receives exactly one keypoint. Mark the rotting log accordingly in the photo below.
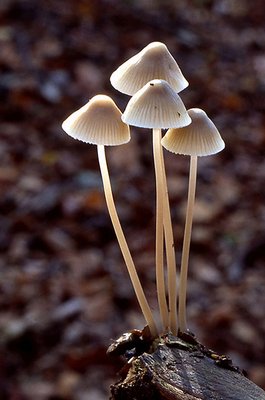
(179, 369)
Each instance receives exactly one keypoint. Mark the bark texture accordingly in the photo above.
(177, 370)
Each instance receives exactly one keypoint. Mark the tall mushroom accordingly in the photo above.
(155, 62)
(200, 138)
(158, 106)
(99, 122)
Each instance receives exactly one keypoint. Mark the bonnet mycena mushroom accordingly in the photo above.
(153, 62)
(200, 138)
(158, 106)
(99, 122)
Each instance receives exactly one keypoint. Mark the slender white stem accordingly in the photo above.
(186, 245)
(160, 279)
(122, 242)
(170, 254)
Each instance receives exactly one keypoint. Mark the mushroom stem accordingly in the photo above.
(122, 242)
(160, 279)
(170, 255)
(186, 245)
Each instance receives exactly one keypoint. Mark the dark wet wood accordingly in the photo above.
(179, 371)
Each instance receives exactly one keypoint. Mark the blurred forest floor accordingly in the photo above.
(64, 290)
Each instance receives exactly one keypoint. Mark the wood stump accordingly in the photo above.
(177, 368)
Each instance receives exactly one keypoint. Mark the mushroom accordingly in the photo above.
(200, 138)
(153, 62)
(99, 122)
(158, 106)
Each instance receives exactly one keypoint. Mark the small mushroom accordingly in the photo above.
(200, 138)
(158, 106)
(99, 122)
(153, 62)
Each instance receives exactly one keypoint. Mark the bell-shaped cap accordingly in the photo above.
(98, 122)
(153, 62)
(200, 138)
(156, 105)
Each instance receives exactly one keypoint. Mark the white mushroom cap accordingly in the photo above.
(98, 122)
(153, 62)
(200, 138)
(156, 105)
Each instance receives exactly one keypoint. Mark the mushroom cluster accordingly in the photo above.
(153, 79)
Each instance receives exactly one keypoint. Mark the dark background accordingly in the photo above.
(64, 289)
